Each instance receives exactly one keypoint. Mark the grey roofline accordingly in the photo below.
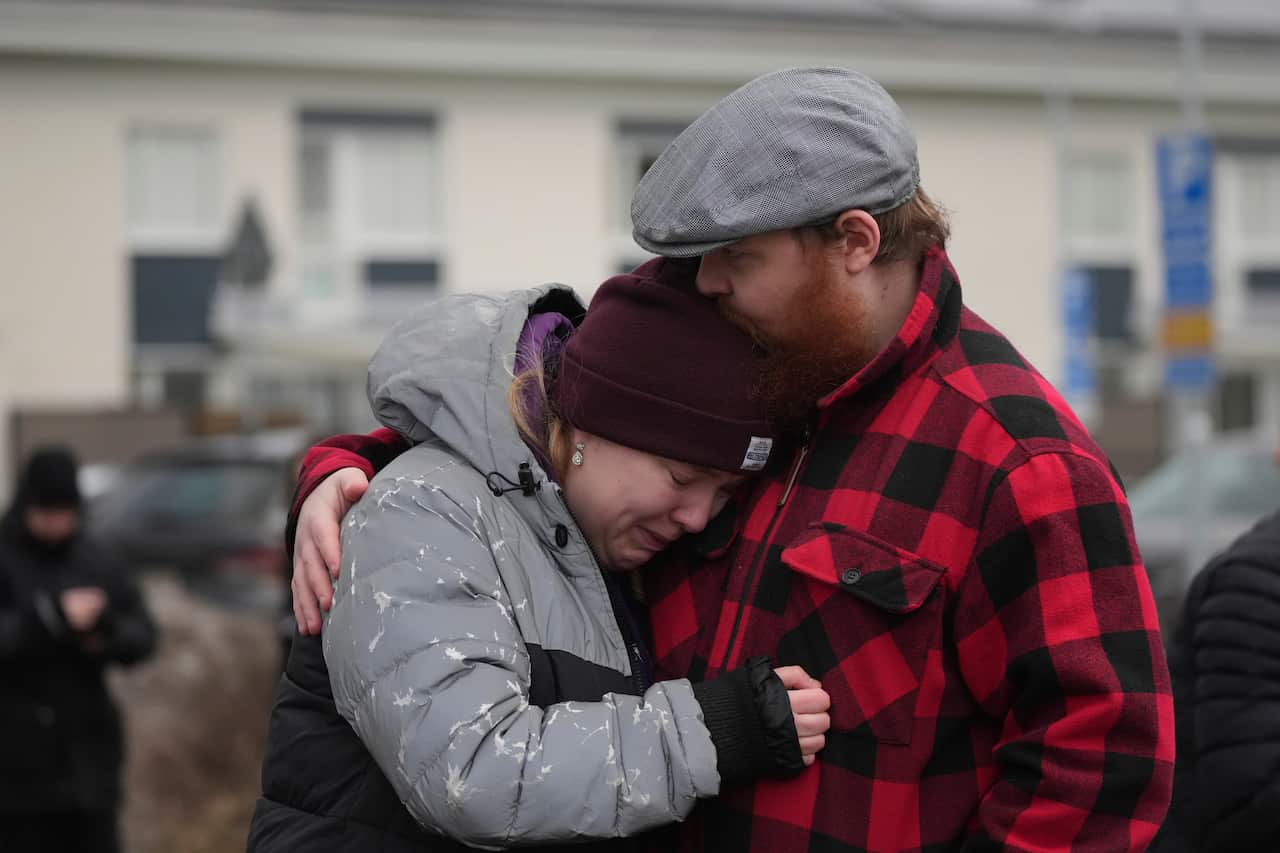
(1228, 20)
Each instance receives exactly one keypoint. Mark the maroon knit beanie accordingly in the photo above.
(654, 366)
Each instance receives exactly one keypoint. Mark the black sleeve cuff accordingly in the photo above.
(748, 714)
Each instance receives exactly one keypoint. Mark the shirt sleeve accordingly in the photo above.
(1057, 636)
(370, 453)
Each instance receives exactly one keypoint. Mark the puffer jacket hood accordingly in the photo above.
(442, 375)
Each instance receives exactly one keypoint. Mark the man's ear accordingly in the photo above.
(861, 239)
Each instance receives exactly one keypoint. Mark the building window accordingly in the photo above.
(1098, 197)
(1262, 292)
(1247, 235)
(175, 231)
(1259, 212)
(315, 187)
(172, 297)
(396, 184)
(1259, 217)
(370, 205)
(1099, 238)
(392, 274)
(173, 190)
(1237, 395)
(637, 145)
(1111, 298)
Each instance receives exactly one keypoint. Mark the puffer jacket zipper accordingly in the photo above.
(622, 615)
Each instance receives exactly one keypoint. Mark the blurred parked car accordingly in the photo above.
(1240, 480)
(212, 513)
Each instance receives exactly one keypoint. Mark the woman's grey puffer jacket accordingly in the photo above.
(458, 608)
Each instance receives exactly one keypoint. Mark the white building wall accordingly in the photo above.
(64, 318)
(988, 163)
(529, 180)
(527, 124)
(526, 198)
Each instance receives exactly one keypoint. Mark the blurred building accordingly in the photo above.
(221, 205)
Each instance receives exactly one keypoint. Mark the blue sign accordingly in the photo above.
(1188, 286)
(1189, 372)
(1184, 166)
(1077, 316)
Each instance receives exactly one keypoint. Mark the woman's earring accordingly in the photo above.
(576, 459)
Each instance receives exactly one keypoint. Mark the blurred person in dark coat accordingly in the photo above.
(67, 611)
(1225, 663)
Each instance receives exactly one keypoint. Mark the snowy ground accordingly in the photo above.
(196, 716)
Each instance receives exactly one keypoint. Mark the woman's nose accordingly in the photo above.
(693, 514)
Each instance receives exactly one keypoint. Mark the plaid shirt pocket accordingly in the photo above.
(880, 614)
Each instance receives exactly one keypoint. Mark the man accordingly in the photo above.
(946, 548)
(67, 612)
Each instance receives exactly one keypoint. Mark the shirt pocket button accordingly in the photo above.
(850, 576)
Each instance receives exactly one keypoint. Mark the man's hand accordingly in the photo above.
(82, 606)
(317, 551)
(809, 705)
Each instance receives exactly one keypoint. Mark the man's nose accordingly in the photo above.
(711, 278)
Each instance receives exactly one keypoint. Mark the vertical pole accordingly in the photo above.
(1076, 360)
(1194, 424)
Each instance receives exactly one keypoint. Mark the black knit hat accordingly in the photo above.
(654, 366)
(50, 479)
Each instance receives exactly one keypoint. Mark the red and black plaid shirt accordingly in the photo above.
(952, 555)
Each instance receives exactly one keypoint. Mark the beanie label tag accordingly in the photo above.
(757, 454)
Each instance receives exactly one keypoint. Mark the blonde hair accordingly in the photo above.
(536, 417)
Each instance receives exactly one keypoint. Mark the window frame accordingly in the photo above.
(635, 140)
(201, 236)
(351, 246)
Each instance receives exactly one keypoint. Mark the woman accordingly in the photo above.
(478, 645)
(66, 613)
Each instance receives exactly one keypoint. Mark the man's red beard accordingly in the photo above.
(823, 340)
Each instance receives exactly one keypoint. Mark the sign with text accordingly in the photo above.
(1184, 165)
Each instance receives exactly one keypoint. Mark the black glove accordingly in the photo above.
(748, 713)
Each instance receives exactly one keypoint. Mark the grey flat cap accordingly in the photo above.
(794, 147)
